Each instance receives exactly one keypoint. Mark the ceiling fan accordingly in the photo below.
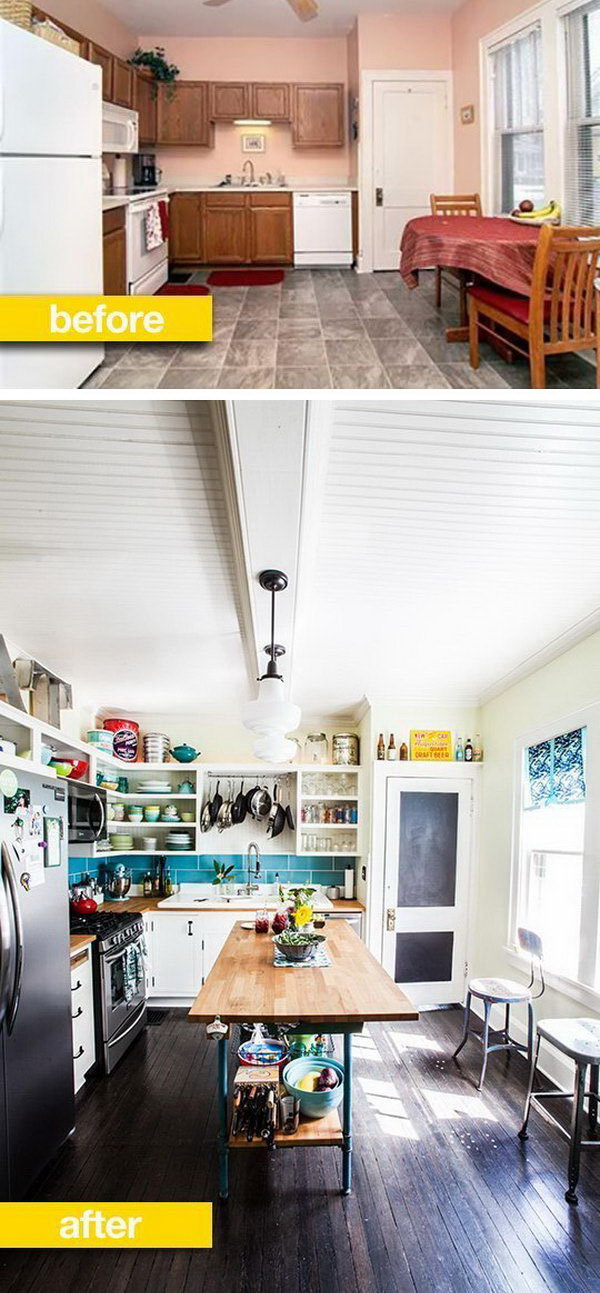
(303, 9)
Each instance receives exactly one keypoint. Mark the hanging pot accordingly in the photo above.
(205, 817)
(249, 797)
(260, 806)
(277, 823)
(224, 814)
(215, 805)
(274, 807)
(289, 812)
(238, 812)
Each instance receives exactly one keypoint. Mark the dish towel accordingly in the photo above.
(153, 228)
(163, 213)
(133, 972)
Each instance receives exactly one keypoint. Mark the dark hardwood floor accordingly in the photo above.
(445, 1199)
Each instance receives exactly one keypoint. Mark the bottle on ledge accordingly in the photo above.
(477, 749)
(381, 747)
(404, 752)
(468, 751)
(459, 753)
(392, 752)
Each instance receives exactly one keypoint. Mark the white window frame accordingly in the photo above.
(548, 16)
(589, 717)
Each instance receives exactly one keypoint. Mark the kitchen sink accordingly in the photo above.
(232, 903)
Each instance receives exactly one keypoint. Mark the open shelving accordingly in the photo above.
(311, 1131)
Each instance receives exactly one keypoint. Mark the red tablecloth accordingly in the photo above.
(492, 247)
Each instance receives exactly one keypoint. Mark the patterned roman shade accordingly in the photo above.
(556, 770)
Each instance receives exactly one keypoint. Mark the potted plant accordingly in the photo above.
(222, 872)
(300, 905)
(156, 63)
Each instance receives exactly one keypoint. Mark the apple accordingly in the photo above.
(328, 1079)
(526, 205)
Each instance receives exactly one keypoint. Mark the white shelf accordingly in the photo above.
(329, 826)
(338, 798)
(306, 853)
(189, 826)
(339, 768)
(148, 853)
(144, 796)
(20, 764)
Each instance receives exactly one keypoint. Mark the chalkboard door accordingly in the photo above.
(427, 851)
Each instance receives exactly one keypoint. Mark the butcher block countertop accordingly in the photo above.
(78, 941)
(244, 984)
(347, 906)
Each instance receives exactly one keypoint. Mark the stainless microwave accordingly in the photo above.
(87, 813)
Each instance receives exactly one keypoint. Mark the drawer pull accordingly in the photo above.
(75, 986)
(79, 1053)
(78, 1012)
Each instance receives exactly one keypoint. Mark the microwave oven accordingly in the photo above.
(87, 813)
(119, 129)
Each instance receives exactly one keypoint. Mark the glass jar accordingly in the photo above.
(345, 748)
(261, 922)
(316, 748)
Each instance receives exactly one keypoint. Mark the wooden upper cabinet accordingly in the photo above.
(104, 59)
(229, 100)
(225, 229)
(270, 101)
(145, 100)
(122, 83)
(185, 228)
(271, 240)
(182, 114)
(318, 116)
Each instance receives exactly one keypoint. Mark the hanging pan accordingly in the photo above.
(205, 819)
(260, 805)
(289, 813)
(238, 812)
(215, 805)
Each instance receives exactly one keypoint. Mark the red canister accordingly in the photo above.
(125, 738)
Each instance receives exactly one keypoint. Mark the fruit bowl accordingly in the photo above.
(314, 1104)
(297, 951)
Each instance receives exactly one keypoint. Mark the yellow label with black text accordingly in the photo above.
(105, 318)
(106, 1225)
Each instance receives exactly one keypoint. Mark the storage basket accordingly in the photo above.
(17, 11)
(48, 31)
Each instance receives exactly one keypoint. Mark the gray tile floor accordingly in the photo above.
(324, 329)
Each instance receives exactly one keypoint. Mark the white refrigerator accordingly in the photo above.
(50, 195)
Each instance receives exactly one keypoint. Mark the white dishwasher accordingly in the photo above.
(322, 229)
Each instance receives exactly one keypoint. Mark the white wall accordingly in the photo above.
(567, 684)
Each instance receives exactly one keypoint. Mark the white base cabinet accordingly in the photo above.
(82, 1015)
(182, 948)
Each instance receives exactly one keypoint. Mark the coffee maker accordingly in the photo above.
(146, 174)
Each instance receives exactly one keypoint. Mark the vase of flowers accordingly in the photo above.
(300, 906)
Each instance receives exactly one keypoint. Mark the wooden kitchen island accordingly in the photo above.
(244, 986)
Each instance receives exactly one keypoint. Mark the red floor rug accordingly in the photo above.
(182, 289)
(245, 277)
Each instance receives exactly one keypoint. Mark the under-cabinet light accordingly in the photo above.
(251, 121)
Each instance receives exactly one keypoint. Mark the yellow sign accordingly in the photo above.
(106, 1225)
(105, 318)
(431, 746)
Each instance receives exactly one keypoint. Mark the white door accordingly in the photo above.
(412, 158)
(426, 888)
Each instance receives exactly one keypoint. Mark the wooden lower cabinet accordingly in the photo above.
(271, 238)
(231, 228)
(186, 240)
(114, 252)
(225, 229)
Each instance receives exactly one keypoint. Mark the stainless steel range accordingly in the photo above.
(119, 980)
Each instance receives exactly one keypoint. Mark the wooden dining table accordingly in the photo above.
(494, 248)
(244, 986)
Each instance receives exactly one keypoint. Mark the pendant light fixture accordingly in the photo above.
(271, 716)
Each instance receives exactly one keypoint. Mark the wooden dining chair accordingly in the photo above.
(454, 204)
(560, 315)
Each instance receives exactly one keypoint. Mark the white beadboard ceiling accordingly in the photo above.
(458, 546)
(437, 549)
(259, 17)
(115, 559)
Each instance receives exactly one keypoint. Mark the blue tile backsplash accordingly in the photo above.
(198, 868)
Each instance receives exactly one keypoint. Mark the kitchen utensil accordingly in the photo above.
(84, 906)
(249, 795)
(61, 769)
(316, 749)
(185, 788)
(238, 812)
(267, 1050)
(224, 815)
(149, 842)
(135, 814)
(185, 753)
(151, 812)
(278, 819)
(260, 806)
(273, 809)
(187, 817)
(156, 747)
(46, 751)
(119, 883)
(314, 1104)
(333, 892)
(205, 818)
(215, 805)
(298, 951)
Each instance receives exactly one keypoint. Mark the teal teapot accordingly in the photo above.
(185, 788)
(185, 753)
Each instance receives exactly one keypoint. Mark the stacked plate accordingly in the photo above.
(156, 747)
(155, 787)
(121, 842)
(178, 840)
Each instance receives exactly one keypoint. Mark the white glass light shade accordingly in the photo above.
(271, 717)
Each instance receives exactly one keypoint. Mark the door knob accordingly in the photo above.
(378, 197)
(391, 919)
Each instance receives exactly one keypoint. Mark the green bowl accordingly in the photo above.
(314, 1104)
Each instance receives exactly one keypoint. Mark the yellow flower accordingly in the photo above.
(303, 915)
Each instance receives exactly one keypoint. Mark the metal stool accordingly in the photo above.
(506, 993)
(580, 1040)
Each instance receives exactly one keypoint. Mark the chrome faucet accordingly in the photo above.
(245, 180)
(253, 848)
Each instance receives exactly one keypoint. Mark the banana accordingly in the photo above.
(552, 210)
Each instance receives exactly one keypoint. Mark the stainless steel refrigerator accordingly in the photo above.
(36, 1052)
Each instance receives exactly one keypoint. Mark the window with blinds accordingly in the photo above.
(518, 120)
(582, 151)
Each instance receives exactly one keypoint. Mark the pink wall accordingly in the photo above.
(92, 20)
(253, 59)
(404, 41)
(353, 63)
(474, 19)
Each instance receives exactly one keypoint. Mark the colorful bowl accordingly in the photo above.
(61, 769)
(151, 813)
(314, 1104)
